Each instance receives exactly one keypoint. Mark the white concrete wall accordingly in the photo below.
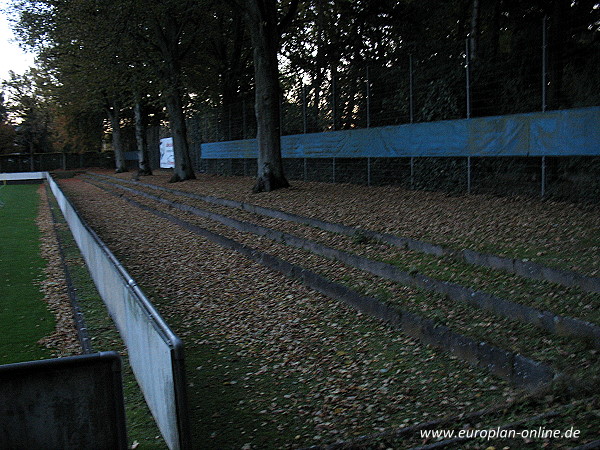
(22, 176)
(155, 352)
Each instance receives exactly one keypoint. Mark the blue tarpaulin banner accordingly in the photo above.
(572, 132)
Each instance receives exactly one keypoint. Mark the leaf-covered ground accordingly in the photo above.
(273, 364)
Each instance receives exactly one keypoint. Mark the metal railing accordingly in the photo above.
(155, 352)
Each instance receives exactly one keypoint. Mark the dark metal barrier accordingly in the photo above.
(64, 403)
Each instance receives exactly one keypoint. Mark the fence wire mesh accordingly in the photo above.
(429, 84)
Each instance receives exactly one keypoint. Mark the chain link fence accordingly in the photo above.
(427, 86)
(558, 177)
(424, 85)
(55, 161)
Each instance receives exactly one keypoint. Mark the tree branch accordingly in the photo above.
(288, 17)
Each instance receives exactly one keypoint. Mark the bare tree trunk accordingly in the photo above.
(183, 162)
(168, 43)
(117, 143)
(140, 137)
(262, 24)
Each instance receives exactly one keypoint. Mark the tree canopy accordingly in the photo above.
(338, 63)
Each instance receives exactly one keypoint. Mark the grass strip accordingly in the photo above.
(24, 316)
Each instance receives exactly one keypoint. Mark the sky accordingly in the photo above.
(12, 57)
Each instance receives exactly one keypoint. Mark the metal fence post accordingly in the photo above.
(218, 128)
(468, 174)
(410, 87)
(243, 118)
(333, 101)
(305, 170)
(468, 76)
(304, 107)
(229, 122)
(198, 124)
(368, 100)
(412, 172)
(544, 62)
(543, 193)
(333, 168)
(281, 113)
(206, 125)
